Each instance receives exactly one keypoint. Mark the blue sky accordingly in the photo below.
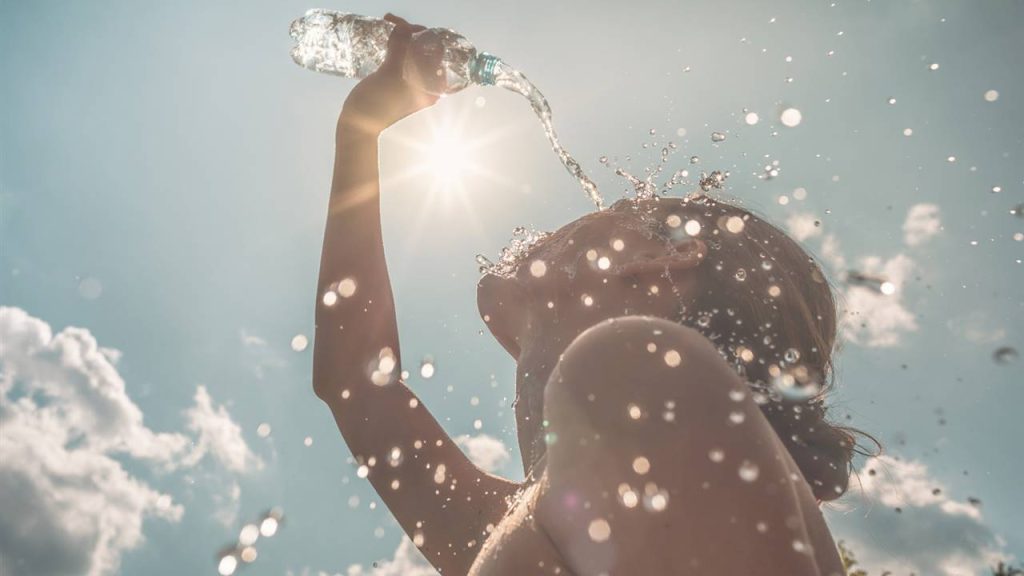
(164, 170)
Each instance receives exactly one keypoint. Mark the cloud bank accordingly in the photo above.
(871, 297)
(907, 522)
(69, 505)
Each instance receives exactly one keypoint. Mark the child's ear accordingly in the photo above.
(687, 255)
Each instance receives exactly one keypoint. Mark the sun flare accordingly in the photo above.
(448, 159)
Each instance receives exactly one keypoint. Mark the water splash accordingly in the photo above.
(509, 78)
(520, 244)
(714, 180)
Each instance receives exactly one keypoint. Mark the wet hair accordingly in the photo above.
(767, 306)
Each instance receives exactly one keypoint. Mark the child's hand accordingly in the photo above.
(384, 97)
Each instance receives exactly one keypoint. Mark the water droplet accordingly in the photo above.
(263, 430)
(538, 268)
(641, 465)
(604, 263)
(1005, 355)
(307, 441)
(346, 288)
(748, 471)
(588, 300)
(751, 118)
(694, 159)
(362, 471)
(692, 227)
(270, 524)
(627, 496)
(427, 367)
(791, 117)
(227, 565)
(717, 137)
(599, 530)
(618, 245)
(892, 100)
(714, 180)
(887, 288)
(737, 417)
(908, 131)
(299, 343)
(634, 412)
(933, 66)
(737, 395)
(799, 546)
(655, 500)
(673, 358)
(791, 355)
(991, 96)
(248, 554)
(248, 535)
(734, 224)
(741, 275)
(603, 159)
(330, 298)
(716, 455)
(439, 474)
(744, 354)
(395, 457)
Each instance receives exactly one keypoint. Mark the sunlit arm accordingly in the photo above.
(437, 495)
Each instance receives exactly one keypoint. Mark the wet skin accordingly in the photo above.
(587, 370)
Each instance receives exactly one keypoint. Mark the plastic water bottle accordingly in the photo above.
(438, 61)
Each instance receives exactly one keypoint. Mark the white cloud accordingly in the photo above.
(921, 224)
(802, 226)
(69, 506)
(868, 316)
(933, 533)
(218, 436)
(88, 394)
(871, 318)
(488, 453)
(407, 561)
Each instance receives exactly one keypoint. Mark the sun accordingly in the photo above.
(442, 157)
(448, 159)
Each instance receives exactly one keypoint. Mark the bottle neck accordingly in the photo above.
(483, 69)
